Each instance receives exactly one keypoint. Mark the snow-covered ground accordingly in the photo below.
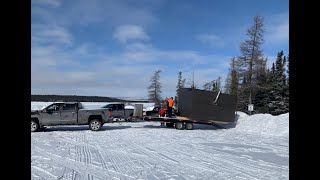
(257, 147)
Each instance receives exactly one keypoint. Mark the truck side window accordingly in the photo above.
(120, 106)
(53, 107)
(68, 107)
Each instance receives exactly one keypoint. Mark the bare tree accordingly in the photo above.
(252, 56)
(207, 86)
(154, 89)
(183, 83)
(232, 81)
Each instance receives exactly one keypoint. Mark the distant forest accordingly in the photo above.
(74, 98)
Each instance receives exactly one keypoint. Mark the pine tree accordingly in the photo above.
(263, 88)
(179, 86)
(279, 103)
(154, 90)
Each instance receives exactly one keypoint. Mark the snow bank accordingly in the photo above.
(264, 124)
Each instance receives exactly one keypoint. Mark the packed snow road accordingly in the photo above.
(256, 148)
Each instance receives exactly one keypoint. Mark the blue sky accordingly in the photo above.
(113, 47)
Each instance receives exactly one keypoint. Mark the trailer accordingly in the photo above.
(197, 106)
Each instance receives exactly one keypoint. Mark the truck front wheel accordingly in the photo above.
(95, 125)
(34, 126)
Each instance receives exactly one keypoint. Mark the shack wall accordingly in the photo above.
(199, 105)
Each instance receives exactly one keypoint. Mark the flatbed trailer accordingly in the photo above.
(200, 107)
(180, 122)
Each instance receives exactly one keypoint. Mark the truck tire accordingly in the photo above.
(179, 125)
(34, 126)
(189, 126)
(95, 125)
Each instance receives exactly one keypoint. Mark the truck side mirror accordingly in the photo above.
(44, 110)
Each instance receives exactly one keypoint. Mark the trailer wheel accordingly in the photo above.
(189, 126)
(179, 125)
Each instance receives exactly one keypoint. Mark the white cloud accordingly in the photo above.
(118, 74)
(54, 3)
(277, 30)
(108, 13)
(128, 32)
(50, 34)
(279, 33)
(211, 40)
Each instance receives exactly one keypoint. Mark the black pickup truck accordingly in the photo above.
(68, 113)
(119, 111)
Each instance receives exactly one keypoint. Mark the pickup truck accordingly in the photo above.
(121, 111)
(68, 113)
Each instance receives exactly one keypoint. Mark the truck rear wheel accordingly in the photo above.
(179, 125)
(95, 125)
(189, 126)
(34, 126)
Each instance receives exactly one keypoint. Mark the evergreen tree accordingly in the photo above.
(154, 90)
(263, 87)
(279, 102)
(179, 85)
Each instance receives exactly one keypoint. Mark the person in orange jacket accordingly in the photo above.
(170, 103)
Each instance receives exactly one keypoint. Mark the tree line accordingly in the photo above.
(74, 98)
(249, 78)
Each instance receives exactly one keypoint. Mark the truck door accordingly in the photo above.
(51, 115)
(68, 113)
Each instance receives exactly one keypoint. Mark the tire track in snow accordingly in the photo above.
(115, 159)
(104, 153)
(155, 158)
(233, 166)
(82, 167)
(42, 173)
(229, 162)
(126, 161)
(121, 162)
